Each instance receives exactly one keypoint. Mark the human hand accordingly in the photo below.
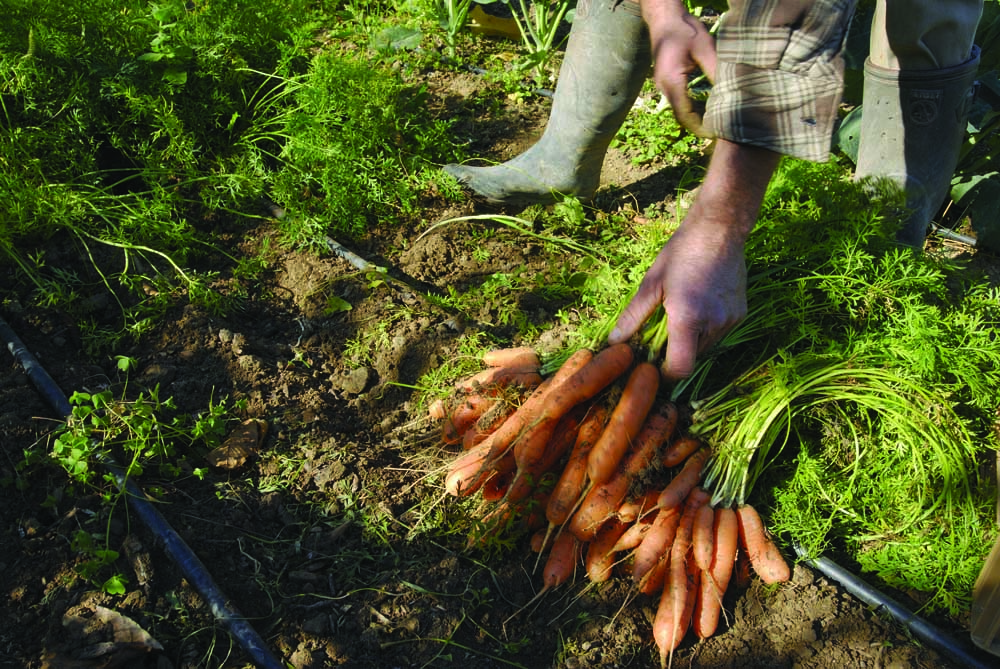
(700, 279)
(681, 44)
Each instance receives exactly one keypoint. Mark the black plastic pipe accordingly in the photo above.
(173, 544)
(934, 637)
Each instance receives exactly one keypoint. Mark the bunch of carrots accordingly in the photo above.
(592, 462)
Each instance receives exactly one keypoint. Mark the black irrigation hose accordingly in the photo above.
(954, 651)
(173, 544)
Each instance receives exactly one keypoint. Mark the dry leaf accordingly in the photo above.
(241, 444)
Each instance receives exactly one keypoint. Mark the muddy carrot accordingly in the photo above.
(518, 356)
(678, 451)
(492, 378)
(655, 543)
(626, 420)
(464, 415)
(765, 558)
(681, 485)
(600, 559)
(715, 580)
(703, 537)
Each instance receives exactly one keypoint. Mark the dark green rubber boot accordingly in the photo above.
(606, 62)
(912, 126)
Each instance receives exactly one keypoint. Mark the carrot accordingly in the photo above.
(702, 537)
(696, 499)
(676, 607)
(518, 356)
(573, 478)
(655, 543)
(600, 559)
(566, 392)
(681, 485)
(652, 581)
(437, 409)
(563, 436)
(634, 535)
(534, 407)
(626, 420)
(561, 562)
(598, 506)
(765, 558)
(464, 415)
(537, 542)
(487, 424)
(639, 507)
(468, 472)
(500, 377)
(715, 580)
(679, 450)
(657, 428)
(496, 486)
(605, 499)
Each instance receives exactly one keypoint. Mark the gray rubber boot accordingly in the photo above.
(912, 126)
(606, 62)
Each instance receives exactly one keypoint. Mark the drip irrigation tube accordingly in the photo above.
(956, 652)
(173, 544)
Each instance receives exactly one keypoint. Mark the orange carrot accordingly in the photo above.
(599, 505)
(496, 486)
(681, 485)
(468, 472)
(682, 578)
(534, 406)
(573, 478)
(639, 507)
(464, 415)
(566, 392)
(487, 424)
(626, 420)
(652, 581)
(765, 558)
(437, 410)
(563, 436)
(673, 615)
(537, 541)
(600, 559)
(679, 450)
(605, 499)
(702, 537)
(656, 430)
(499, 377)
(655, 543)
(715, 581)
(561, 563)
(518, 356)
(634, 535)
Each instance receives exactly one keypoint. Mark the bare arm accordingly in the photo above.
(700, 274)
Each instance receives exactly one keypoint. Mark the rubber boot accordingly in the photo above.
(912, 126)
(605, 65)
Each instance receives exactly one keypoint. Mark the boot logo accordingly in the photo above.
(924, 107)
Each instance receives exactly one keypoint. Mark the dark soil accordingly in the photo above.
(316, 537)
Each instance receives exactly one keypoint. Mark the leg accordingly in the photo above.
(918, 87)
(606, 62)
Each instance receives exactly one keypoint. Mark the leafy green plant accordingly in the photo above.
(650, 136)
(102, 428)
(539, 24)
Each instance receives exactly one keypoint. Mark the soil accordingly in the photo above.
(316, 538)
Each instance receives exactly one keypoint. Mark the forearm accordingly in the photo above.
(661, 12)
(730, 196)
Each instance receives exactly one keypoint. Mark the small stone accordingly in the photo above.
(356, 381)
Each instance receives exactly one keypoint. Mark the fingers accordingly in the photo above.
(640, 308)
